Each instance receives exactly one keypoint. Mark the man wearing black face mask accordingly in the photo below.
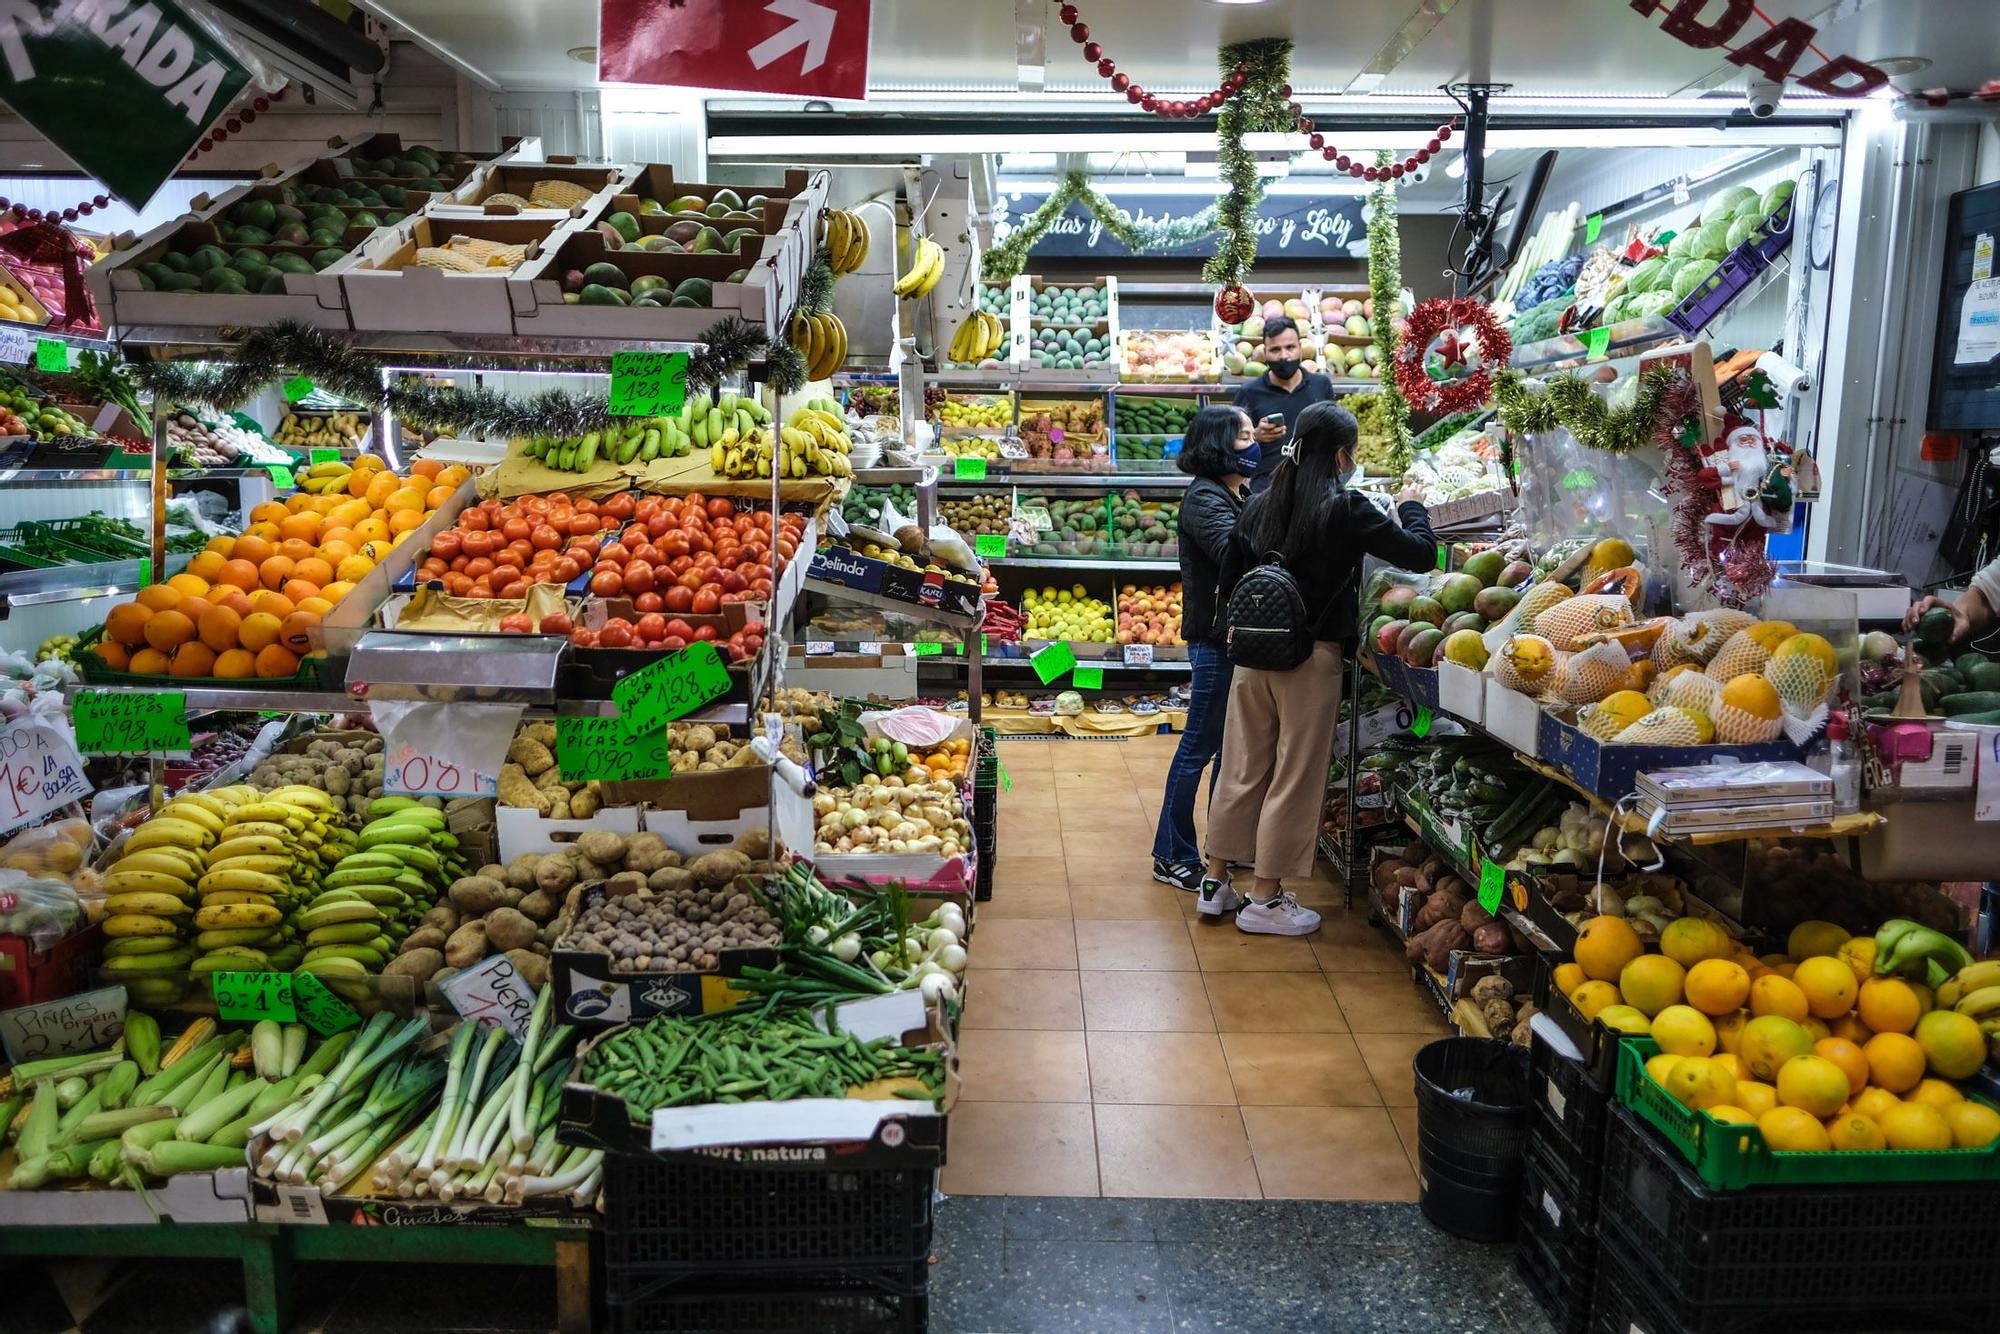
(1275, 399)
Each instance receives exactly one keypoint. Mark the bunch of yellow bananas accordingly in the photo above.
(823, 340)
(926, 267)
(845, 237)
(323, 478)
(979, 337)
(334, 430)
(813, 443)
(1974, 992)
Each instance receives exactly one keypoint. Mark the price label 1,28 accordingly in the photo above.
(671, 687)
(648, 384)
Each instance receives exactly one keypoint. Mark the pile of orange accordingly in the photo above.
(248, 606)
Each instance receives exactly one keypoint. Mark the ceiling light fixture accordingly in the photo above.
(1240, 2)
(1895, 66)
(583, 55)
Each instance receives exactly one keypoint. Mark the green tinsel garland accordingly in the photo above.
(275, 352)
(1385, 289)
(1570, 402)
(816, 291)
(1010, 256)
(1258, 109)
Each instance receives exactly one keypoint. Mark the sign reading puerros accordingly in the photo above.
(126, 91)
(807, 48)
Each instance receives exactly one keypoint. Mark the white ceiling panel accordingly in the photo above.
(1554, 47)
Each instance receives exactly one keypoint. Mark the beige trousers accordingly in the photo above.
(1276, 745)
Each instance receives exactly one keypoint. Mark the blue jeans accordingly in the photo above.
(1200, 748)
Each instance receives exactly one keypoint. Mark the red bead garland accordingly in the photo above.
(1395, 171)
(1168, 108)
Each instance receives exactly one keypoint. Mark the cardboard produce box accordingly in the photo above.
(384, 294)
(128, 292)
(744, 285)
(475, 197)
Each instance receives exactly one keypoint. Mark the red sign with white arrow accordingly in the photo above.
(805, 48)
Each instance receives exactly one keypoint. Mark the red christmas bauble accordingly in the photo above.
(1234, 304)
(1079, 32)
(1134, 93)
(1093, 51)
(1316, 140)
(1149, 102)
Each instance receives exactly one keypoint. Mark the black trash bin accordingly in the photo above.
(1472, 1126)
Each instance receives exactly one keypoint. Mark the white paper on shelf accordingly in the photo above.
(1979, 324)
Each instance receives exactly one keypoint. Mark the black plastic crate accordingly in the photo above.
(1890, 1248)
(985, 839)
(668, 1217)
(1626, 1301)
(846, 1301)
(1564, 1294)
(1571, 1112)
(1556, 1246)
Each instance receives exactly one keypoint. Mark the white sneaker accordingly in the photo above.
(1217, 898)
(1282, 916)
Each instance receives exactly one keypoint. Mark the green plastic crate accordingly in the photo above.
(315, 673)
(1732, 1157)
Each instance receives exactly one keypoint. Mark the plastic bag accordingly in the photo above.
(41, 910)
(50, 851)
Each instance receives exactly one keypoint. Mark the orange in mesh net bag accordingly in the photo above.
(1668, 727)
(1800, 680)
(1735, 727)
(1612, 715)
(1566, 623)
(1595, 673)
(1743, 653)
(1538, 599)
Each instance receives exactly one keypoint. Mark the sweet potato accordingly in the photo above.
(1448, 936)
(1492, 938)
(1473, 915)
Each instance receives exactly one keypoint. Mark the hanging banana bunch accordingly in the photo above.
(979, 337)
(845, 237)
(926, 268)
(822, 340)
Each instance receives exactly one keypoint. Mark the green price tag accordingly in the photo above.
(648, 384)
(254, 996)
(1442, 564)
(1492, 884)
(1422, 726)
(1088, 678)
(926, 649)
(318, 1008)
(322, 456)
(51, 355)
(1054, 661)
(1596, 342)
(1593, 227)
(983, 648)
(969, 470)
(677, 684)
(281, 477)
(145, 571)
(990, 544)
(601, 748)
(129, 722)
(298, 387)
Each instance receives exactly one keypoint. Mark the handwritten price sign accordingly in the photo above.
(40, 771)
(443, 750)
(648, 384)
(409, 772)
(115, 722)
(675, 685)
(254, 996)
(57, 1028)
(318, 1008)
(492, 992)
(602, 748)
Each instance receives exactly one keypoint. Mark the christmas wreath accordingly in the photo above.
(1453, 384)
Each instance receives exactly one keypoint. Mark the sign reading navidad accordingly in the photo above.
(125, 90)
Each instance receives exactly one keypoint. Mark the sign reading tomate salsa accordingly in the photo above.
(124, 89)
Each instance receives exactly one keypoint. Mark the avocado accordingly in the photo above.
(626, 225)
(706, 242)
(330, 256)
(207, 257)
(178, 262)
(368, 199)
(323, 236)
(393, 195)
(686, 302)
(255, 213)
(291, 264)
(597, 294)
(696, 291)
(146, 283)
(647, 282)
(605, 275)
(393, 216)
(249, 259)
(272, 283)
(224, 232)
(181, 282)
(1984, 676)
(223, 279)
(1934, 627)
(152, 268)
(290, 213)
(364, 219)
(292, 233)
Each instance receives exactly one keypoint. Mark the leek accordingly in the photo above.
(453, 1103)
(517, 1119)
(474, 1090)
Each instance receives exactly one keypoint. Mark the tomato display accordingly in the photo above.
(498, 549)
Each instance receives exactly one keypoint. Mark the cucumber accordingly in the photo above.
(1971, 701)
(1988, 718)
(1934, 627)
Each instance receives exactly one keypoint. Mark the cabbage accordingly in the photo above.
(1658, 301)
(1614, 310)
(1687, 278)
(1727, 201)
(1645, 275)
(1744, 228)
(1712, 241)
(1776, 197)
(1682, 246)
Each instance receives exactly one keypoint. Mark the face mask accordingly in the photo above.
(1248, 459)
(1347, 476)
(1283, 369)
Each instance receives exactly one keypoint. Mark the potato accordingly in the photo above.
(538, 905)
(754, 843)
(671, 880)
(476, 895)
(720, 868)
(603, 847)
(424, 938)
(533, 968)
(508, 929)
(521, 871)
(625, 882)
(467, 945)
(555, 874)
(418, 964)
(444, 917)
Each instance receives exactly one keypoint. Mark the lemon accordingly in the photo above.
(1683, 1030)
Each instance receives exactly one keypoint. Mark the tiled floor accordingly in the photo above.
(1114, 1043)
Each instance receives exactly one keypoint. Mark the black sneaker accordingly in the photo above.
(1180, 877)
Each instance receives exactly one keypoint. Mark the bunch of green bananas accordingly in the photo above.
(377, 893)
(1910, 949)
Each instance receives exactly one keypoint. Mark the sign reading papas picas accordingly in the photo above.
(124, 89)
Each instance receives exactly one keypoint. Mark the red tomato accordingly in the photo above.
(589, 546)
(582, 638)
(458, 585)
(582, 524)
(651, 627)
(707, 600)
(517, 588)
(607, 583)
(704, 632)
(734, 582)
(639, 577)
(672, 643)
(514, 528)
(646, 552)
(545, 538)
(480, 589)
(503, 575)
(617, 553)
(657, 525)
(693, 580)
(479, 567)
(447, 544)
(720, 508)
(680, 565)
(649, 602)
(557, 623)
(673, 542)
(563, 569)
(474, 520)
(680, 628)
(618, 507)
(517, 624)
(678, 597)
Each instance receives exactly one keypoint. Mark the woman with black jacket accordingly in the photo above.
(1211, 454)
(1275, 750)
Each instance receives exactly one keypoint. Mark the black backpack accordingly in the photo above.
(1268, 626)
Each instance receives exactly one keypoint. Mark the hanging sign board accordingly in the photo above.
(1296, 227)
(804, 48)
(40, 771)
(125, 91)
